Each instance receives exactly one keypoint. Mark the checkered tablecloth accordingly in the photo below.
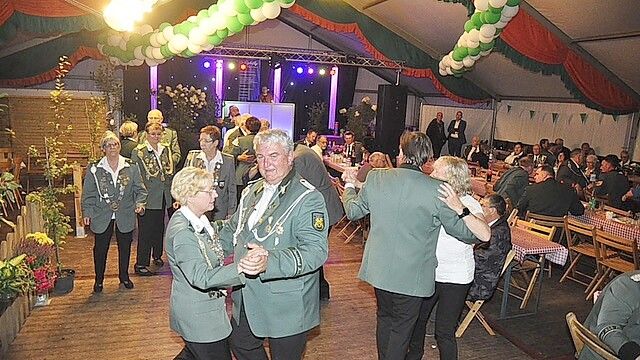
(525, 243)
(625, 231)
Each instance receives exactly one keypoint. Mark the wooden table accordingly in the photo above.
(337, 166)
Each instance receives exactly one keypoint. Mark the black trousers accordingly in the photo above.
(396, 318)
(150, 236)
(437, 149)
(450, 299)
(218, 350)
(324, 284)
(101, 248)
(247, 346)
(455, 147)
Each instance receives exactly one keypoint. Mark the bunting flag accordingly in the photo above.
(555, 116)
(532, 113)
(583, 117)
(508, 108)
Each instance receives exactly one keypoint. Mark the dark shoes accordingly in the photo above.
(97, 288)
(127, 284)
(143, 271)
(158, 262)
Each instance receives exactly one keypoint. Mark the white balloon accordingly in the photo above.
(462, 42)
(207, 27)
(271, 10)
(468, 62)
(500, 24)
(151, 62)
(473, 44)
(194, 48)
(179, 43)
(208, 47)
(486, 40)
(473, 35)
(286, 6)
(227, 9)
(475, 57)
(137, 62)
(156, 53)
(485, 53)
(137, 52)
(168, 33)
(197, 37)
(113, 40)
(497, 3)
(161, 39)
(148, 52)
(449, 71)
(153, 40)
(487, 30)
(482, 5)
(144, 29)
(443, 72)
(123, 44)
(456, 65)
(257, 15)
(192, 19)
(510, 11)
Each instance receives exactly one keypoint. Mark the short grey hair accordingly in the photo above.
(188, 182)
(274, 136)
(108, 135)
(455, 172)
(128, 129)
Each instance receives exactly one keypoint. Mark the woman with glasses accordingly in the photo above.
(221, 166)
(155, 162)
(113, 192)
(196, 257)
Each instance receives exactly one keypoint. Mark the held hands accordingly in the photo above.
(246, 157)
(450, 198)
(255, 261)
(139, 210)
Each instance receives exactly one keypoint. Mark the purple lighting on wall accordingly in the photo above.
(219, 79)
(277, 76)
(333, 97)
(153, 85)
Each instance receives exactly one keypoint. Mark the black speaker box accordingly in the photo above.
(390, 117)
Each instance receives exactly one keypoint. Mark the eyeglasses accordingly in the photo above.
(210, 191)
(206, 141)
(111, 145)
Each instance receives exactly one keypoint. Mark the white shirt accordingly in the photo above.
(267, 193)
(210, 164)
(198, 223)
(156, 153)
(122, 163)
(473, 150)
(455, 258)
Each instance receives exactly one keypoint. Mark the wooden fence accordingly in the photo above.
(29, 220)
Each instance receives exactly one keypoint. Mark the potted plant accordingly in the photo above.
(38, 248)
(8, 187)
(15, 279)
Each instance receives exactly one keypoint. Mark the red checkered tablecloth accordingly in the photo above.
(625, 231)
(524, 243)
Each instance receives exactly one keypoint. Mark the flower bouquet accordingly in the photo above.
(38, 248)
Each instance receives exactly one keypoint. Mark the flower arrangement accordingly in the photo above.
(360, 118)
(39, 248)
(15, 277)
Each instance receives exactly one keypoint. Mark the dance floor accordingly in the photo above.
(134, 324)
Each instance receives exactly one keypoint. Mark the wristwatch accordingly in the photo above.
(465, 212)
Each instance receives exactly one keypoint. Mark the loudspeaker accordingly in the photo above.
(390, 117)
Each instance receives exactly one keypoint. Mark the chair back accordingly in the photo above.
(546, 220)
(582, 337)
(578, 232)
(626, 250)
(543, 232)
(513, 216)
(617, 211)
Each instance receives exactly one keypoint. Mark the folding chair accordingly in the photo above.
(358, 223)
(474, 307)
(582, 337)
(617, 211)
(513, 216)
(580, 244)
(557, 221)
(614, 253)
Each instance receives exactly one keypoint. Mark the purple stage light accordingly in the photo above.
(310, 71)
(299, 70)
(206, 64)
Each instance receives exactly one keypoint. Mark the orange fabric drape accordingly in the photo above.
(49, 8)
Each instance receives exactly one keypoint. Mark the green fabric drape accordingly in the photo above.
(45, 27)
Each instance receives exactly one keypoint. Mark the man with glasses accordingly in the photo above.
(287, 216)
(549, 197)
(222, 166)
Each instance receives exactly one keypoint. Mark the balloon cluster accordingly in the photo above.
(480, 32)
(194, 35)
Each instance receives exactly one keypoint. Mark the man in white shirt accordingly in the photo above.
(320, 146)
(472, 149)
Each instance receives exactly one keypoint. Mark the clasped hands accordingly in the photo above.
(255, 261)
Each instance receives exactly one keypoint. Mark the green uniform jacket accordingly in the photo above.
(284, 299)
(128, 194)
(245, 143)
(406, 215)
(198, 311)
(157, 180)
(169, 139)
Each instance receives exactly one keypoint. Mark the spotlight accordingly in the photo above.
(206, 64)
(243, 67)
(291, 83)
(322, 72)
(310, 71)
(232, 65)
(299, 70)
(334, 70)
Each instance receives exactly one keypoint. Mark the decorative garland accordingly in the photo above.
(480, 32)
(192, 36)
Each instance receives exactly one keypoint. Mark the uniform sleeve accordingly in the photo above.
(139, 190)
(356, 204)
(175, 148)
(310, 229)
(193, 266)
(89, 194)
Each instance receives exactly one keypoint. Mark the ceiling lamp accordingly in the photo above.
(122, 15)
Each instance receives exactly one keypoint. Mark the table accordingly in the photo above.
(530, 247)
(598, 219)
(337, 166)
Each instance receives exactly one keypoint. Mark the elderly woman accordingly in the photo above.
(592, 170)
(196, 257)
(156, 166)
(128, 136)
(113, 192)
(456, 265)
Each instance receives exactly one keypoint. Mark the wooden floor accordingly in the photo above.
(133, 324)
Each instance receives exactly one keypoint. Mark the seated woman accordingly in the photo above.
(196, 258)
(489, 257)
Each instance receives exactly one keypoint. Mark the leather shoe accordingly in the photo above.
(158, 262)
(127, 284)
(143, 271)
(97, 288)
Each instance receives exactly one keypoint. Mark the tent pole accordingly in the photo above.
(633, 134)
(494, 105)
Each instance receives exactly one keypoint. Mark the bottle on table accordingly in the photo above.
(489, 175)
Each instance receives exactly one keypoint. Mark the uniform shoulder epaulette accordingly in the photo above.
(253, 182)
(307, 184)
(129, 161)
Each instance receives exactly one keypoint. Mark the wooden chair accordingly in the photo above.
(544, 233)
(557, 221)
(580, 242)
(513, 216)
(582, 337)
(614, 253)
(474, 307)
(617, 211)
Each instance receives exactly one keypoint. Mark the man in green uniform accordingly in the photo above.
(287, 216)
(169, 137)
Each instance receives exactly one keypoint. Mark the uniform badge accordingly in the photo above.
(317, 219)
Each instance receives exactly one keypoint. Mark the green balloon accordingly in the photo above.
(163, 25)
(187, 53)
(234, 25)
(474, 51)
(213, 9)
(460, 53)
(513, 2)
(268, 1)
(487, 46)
(468, 26)
(458, 75)
(477, 20)
(245, 19)
(490, 18)
(240, 6)
(222, 34)
(253, 4)
(214, 40)
(184, 28)
(202, 14)
(164, 50)
(134, 40)
(495, 10)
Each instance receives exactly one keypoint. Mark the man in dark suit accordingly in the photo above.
(456, 136)
(538, 157)
(513, 182)
(352, 148)
(310, 139)
(560, 143)
(311, 168)
(570, 173)
(545, 150)
(614, 184)
(549, 197)
(435, 132)
(472, 149)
